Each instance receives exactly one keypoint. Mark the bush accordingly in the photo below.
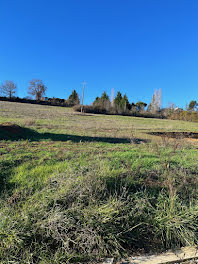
(114, 111)
(184, 115)
(50, 101)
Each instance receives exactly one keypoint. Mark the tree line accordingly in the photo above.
(37, 89)
(119, 104)
(103, 105)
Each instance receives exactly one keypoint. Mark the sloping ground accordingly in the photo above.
(82, 188)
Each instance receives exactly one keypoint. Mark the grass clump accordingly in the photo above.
(72, 217)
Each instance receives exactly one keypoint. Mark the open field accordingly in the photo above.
(76, 188)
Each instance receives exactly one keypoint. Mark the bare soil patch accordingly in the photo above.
(179, 135)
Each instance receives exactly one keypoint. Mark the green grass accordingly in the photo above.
(76, 188)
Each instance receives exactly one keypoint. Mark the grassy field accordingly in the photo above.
(76, 188)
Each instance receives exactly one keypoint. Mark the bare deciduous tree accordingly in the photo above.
(37, 88)
(8, 88)
(160, 98)
(112, 96)
(156, 101)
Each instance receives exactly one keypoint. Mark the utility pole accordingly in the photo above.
(83, 96)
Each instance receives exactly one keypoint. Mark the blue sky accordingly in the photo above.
(135, 46)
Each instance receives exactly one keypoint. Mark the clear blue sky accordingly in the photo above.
(135, 46)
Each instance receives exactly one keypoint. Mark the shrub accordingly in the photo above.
(98, 109)
(184, 115)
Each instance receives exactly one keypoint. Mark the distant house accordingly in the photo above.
(178, 110)
(45, 99)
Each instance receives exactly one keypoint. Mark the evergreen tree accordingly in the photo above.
(118, 99)
(73, 98)
(105, 101)
(104, 97)
(96, 101)
(124, 103)
(102, 101)
(192, 105)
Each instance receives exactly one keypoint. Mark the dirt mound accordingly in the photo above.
(11, 128)
(175, 134)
